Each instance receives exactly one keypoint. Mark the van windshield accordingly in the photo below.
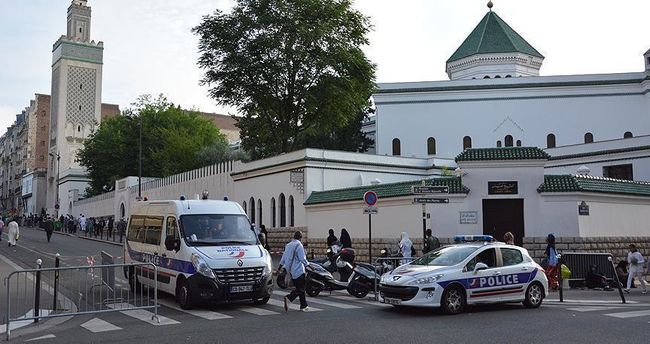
(217, 229)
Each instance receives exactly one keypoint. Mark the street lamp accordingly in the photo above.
(58, 169)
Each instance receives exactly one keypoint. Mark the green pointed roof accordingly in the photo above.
(493, 35)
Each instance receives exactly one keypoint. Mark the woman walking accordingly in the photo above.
(551, 257)
(635, 259)
(14, 232)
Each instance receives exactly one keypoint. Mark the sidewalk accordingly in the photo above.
(81, 235)
(598, 296)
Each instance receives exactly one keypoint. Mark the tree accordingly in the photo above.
(172, 139)
(294, 69)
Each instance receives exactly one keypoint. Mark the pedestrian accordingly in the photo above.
(49, 228)
(82, 223)
(552, 261)
(110, 226)
(509, 238)
(635, 259)
(264, 232)
(294, 260)
(14, 232)
(430, 242)
(2, 226)
(90, 226)
(622, 273)
(71, 225)
(331, 238)
(346, 241)
(405, 248)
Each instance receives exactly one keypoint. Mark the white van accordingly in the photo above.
(205, 251)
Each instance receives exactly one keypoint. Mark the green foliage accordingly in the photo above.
(294, 69)
(172, 139)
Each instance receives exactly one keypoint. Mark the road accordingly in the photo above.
(599, 317)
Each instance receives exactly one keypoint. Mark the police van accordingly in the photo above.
(204, 251)
(472, 271)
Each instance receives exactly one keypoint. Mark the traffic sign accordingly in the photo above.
(430, 200)
(370, 198)
(370, 210)
(429, 189)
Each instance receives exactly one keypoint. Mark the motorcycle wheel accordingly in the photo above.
(311, 290)
(280, 281)
(358, 292)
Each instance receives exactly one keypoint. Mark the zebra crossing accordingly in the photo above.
(627, 311)
(170, 313)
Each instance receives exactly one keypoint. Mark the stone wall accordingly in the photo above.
(617, 246)
(279, 237)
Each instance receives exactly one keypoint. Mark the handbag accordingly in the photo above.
(566, 273)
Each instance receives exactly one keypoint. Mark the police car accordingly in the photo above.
(474, 270)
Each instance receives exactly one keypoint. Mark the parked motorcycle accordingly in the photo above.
(360, 281)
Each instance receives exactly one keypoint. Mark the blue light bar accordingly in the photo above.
(470, 238)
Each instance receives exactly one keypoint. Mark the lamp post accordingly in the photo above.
(58, 169)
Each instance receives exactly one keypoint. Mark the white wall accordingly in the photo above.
(615, 216)
(528, 113)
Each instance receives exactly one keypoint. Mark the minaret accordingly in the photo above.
(75, 107)
(646, 59)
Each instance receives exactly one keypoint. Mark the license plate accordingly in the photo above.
(241, 288)
(392, 301)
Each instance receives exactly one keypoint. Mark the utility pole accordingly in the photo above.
(140, 161)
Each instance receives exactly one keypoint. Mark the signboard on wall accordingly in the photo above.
(503, 188)
(468, 217)
(583, 209)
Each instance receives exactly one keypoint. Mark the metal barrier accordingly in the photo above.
(579, 263)
(77, 290)
(384, 265)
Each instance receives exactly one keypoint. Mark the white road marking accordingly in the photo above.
(632, 314)
(292, 306)
(591, 309)
(589, 301)
(320, 301)
(96, 325)
(364, 301)
(15, 324)
(142, 314)
(201, 313)
(256, 311)
(47, 336)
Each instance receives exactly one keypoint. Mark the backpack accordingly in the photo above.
(413, 251)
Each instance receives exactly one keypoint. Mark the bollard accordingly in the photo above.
(618, 282)
(37, 291)
(56, 280)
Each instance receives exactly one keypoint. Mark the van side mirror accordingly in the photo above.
(480, 266)
(172, 243)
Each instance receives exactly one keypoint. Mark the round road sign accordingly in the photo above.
(370, 197)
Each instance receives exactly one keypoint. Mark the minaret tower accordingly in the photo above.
(75, 107)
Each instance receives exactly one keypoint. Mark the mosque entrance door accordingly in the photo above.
(504, 215)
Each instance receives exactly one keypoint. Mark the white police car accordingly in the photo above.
(476, 270)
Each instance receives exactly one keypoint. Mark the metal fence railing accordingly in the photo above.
(41, 293)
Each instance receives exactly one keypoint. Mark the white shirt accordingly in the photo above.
(638, 256)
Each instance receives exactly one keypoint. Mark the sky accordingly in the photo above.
(149, 47)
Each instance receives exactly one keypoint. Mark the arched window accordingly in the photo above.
(467, 142)
(518, 143)
(486, 77)
(550, 141)
(497, 77)
(627, 135)
(499, 143)
(122, 211)
(243, 205)
(259, 212)
(273, 222)
(431, 146)
(508, 141)
(291, 212)
(283, 211)
(589, 138)
(252, 213)
(397, 147)
(508, 76)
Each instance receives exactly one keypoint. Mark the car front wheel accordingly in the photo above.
(453, 300)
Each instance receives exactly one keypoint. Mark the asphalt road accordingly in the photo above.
(594, 317)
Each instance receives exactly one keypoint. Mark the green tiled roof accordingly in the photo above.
(570, 183)
(493, 35)
(384, 190)
(601, 152)
(502, 153)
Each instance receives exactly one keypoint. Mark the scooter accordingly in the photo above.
(360, 282)
(329, 262)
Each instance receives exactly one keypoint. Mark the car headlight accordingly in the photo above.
(268, 267)
(202, 267)
(427, 280)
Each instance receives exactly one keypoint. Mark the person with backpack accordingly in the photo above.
(430, 242)
(635, 259)
(295, 260)
(551, 262)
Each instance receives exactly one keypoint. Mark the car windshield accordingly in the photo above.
(446, 256)
(217, 229)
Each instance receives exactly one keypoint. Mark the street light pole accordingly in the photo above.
(57, 203)
(140, 161)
